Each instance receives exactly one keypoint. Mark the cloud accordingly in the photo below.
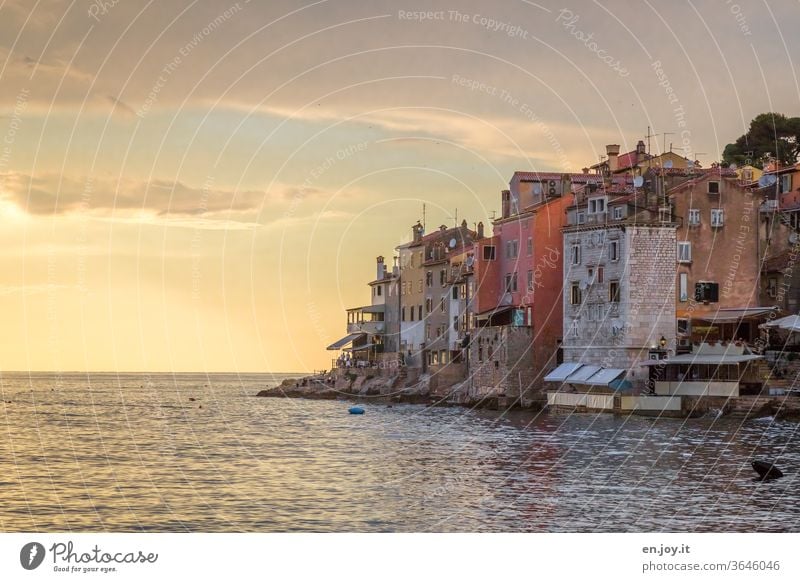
(119, 106)
(51, 194)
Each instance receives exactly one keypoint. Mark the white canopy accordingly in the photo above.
(791, 322)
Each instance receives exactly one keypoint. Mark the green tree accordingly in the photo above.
(771, 135)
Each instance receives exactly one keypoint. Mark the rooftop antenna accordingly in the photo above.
(665, 134)
(423, 217)
(456, 219)
(648, 136)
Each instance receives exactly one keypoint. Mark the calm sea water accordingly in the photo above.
(135, 453)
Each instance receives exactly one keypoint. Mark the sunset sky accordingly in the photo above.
(204, 186)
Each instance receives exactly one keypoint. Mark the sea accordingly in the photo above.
(118, 452)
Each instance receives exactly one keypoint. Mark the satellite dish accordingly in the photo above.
(668, 164)
(733, 166)
(767, 180)
(452, 243)
(638, 181)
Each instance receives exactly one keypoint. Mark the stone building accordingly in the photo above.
(424, 289)
(619, 277)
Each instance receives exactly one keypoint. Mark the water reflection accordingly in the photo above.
(134, 453)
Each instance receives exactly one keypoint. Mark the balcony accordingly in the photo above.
(368, 319)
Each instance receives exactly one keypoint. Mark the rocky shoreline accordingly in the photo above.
(423, 390)
(380, 388)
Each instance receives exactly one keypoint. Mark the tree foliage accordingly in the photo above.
(771, 135)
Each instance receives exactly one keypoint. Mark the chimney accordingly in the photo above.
(480, 230)
(381, 268)
(641, 153)
(443, 228)
(506, 209)
(612, 151)
(395, 268)
(585, 170)
(464, 223)
(418, 231)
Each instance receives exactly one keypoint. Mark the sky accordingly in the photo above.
(204, 185)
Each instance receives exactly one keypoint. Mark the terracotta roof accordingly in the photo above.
(577, 178)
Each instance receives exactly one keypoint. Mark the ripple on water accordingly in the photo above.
(125, 453)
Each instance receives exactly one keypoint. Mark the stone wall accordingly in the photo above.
(500, 363)
(620, 334)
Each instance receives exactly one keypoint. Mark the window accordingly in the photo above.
(613, 250)
(488, 252)
(442, 277)
(683, 326)
(411, 314)
(511, 283)
(772, 287)
(581, 219)
(429, 279)
(747, 175)
(794, 220)
(683, 287)
(455, 291)
(428, 331)
(613, 291)
(512, 249)
(786, 183)
(379, 290)
(419, 312)
(597, 205)
(463, 291)
(694, 216)
(576, 254)
(575, 294)
(455, 323)
(428, 305)
(530, 281)
(706, 292)
(442, 305)
(717, 217)
(713, 187)
(618, 213)
(402, 314)
(600, 274)
(420, 286)
(530, 246)
(684, 252)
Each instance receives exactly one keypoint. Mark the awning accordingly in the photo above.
(582, 375)
(707, 354)
(604, 377)
(338, 345)
(493, 312)
(562, 371)
(791, 323)
(730, 315)
(358, 348)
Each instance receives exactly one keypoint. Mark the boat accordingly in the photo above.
(766, 471)
(355, 409)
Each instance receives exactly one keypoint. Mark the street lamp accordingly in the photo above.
(662, 342)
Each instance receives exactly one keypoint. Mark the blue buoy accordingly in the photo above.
(356, 410)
